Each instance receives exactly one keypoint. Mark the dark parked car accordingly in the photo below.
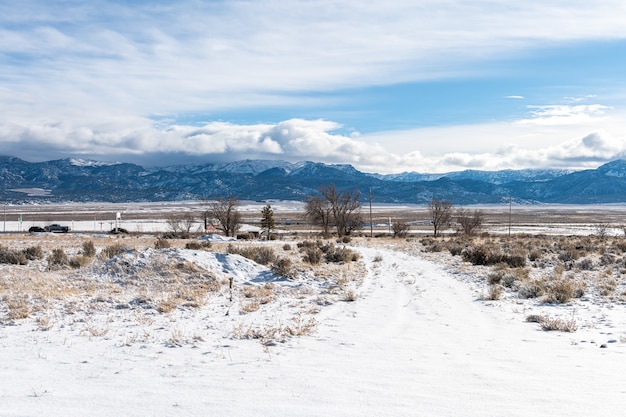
(57, 228)
(35, 229)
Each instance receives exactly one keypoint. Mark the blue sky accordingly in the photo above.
(422, 85)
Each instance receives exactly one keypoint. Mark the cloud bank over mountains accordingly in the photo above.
(296, 140)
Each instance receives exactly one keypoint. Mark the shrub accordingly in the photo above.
(260, 255)
(435, 247)
(264, 294)
(509, 279)
(515, 260)
(313, 256)
(193, 245)
(283, 267)
(607, 259)
(495, 292)
(535, 318)
(532, 289)
(286, 247)
(495, 277)
(535, 254)
(79, 261)
(559, 325)
(477, 255)
(8, 256)
(563, 291)
(350, 295)
(606, 286)
(455, 250)
(552, 324)
(18, 307)
(196, 245)
(400, 229)
(585, 264)
(340, 255)
(113, 250)
(57, 259)
(309, 244)
(488, 255)
(89, 249)
(33, 252)
(569, 254)
(162, 244)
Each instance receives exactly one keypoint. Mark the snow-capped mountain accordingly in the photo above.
(82, 180)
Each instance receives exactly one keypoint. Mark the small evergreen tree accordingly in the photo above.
(267, 219)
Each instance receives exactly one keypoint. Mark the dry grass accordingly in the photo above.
(77, 281)
(494, 292)
(50, 285)
(299, 325)
(264, 294)
(553, 324)
(350, 295)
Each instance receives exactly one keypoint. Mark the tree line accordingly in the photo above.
(334, 212)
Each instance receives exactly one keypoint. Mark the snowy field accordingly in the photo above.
(398, 332)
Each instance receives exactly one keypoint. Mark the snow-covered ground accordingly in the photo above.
(418, 341)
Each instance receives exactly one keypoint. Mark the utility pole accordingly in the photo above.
(510, 211)
(371, 224)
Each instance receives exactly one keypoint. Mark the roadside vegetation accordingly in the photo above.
(80, 278)
(553, 270)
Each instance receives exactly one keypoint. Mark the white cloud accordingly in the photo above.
(87, 80)
(157, 58)
(297, 139)
(565, 114)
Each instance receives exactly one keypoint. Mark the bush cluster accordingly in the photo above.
(161, 243)
(489, 255)
(89, 249)
(113, 250)
(315, 251)
(196, 245)
(20, 257)
(265, 256)
(339, 254)
(259, 254)
(57, 259)
(284, 268)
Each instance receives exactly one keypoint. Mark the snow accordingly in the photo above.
(216, 238)
(418, 341)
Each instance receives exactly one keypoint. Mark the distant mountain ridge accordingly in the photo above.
(78, 180)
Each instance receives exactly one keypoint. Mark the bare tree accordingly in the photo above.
(469, 222)
(440, 214)
(602, 230)
(224, 211)
(334, 208)
(182, 224)
(345, 209)
(400, 229)
(319, 212)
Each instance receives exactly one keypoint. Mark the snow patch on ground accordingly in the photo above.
(418, 340)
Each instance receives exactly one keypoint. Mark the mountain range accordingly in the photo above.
(77, 180)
